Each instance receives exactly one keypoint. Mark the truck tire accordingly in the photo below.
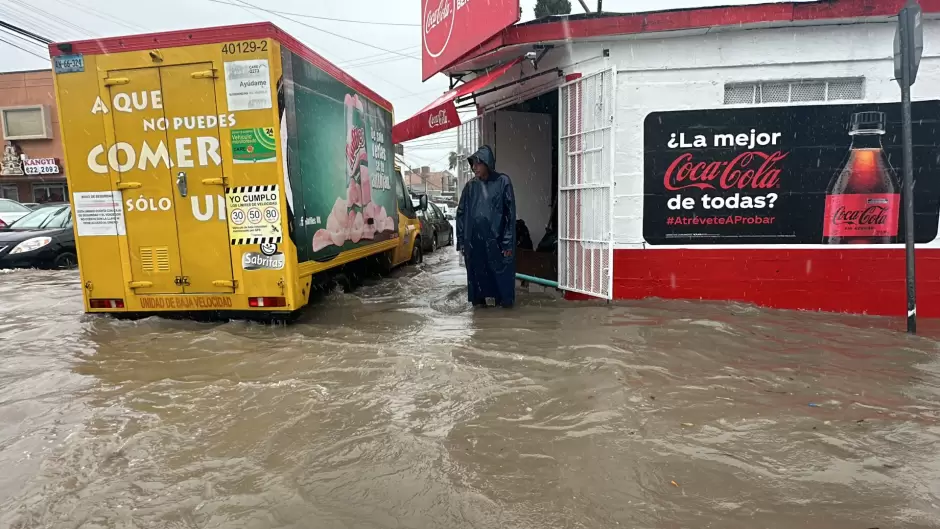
(417, 254)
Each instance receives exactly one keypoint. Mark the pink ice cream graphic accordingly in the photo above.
(355, 217)
(366, 187)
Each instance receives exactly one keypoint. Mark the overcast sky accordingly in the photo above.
(385, 25)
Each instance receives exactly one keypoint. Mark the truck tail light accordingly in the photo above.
(106, 303)
(267, 302)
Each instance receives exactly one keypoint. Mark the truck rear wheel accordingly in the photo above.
(417, 255)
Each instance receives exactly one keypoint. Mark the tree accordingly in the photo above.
(454, 159)
(545, 8)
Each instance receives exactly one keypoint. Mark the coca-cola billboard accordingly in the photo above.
(822, 174)
(452, 28)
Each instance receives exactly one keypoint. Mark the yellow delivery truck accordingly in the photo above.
(225, 169)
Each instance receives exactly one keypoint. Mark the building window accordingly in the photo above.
(10, 191)
(26, 123)
(801, 91)
(43, 193)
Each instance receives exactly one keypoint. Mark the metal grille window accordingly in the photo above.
(468, 140)
(851, 89)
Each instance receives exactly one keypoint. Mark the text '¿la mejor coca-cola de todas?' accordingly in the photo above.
(747, 172)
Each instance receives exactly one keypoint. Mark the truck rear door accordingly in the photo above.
(171, 178)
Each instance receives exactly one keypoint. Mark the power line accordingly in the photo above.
(22, 38)
(328, 32)
(25, 33)
(368, 22)
(51, 16)
(23, 49)
(378, 61)
(102, 14)
(376, 57)
(43, 25)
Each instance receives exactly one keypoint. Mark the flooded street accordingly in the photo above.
(397, 406)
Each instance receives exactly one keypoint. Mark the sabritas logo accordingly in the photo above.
(438, 25)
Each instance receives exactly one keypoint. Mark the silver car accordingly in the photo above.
(11, 210)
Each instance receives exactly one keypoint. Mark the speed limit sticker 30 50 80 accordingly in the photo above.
(254, 214)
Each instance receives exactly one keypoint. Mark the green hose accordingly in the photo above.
(538, 281)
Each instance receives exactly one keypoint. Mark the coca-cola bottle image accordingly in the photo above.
(862, 201)
(356, 155)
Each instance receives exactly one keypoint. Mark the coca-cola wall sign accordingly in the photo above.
(822, 174)
(452, 28)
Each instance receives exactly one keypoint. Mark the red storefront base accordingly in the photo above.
(863, 281)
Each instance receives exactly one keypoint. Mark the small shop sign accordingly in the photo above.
(40, 166)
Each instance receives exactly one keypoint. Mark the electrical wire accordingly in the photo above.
(102, 14)
(40, 24)
(248, 4)
(34, 54)
(51, 16)
(24, 39)
(25, 33)
(348, 21)
(376, 58)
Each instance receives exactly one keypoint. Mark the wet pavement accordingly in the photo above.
(396, 406)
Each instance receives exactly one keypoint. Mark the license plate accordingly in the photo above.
(69, 63)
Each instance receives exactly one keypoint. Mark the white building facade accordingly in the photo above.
(645, 158)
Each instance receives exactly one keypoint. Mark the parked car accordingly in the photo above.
(437, 230)
(42, 238)
(11, 210)
(446, 210)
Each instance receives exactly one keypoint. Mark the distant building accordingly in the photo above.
(433, 183)
(32, 168)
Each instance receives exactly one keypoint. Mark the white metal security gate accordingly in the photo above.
(585, 185)
(468, 140)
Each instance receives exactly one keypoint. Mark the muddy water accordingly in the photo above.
(398, 407)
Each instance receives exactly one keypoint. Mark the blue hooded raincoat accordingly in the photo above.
(486, 227)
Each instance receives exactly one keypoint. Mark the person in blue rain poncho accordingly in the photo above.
(486, 233)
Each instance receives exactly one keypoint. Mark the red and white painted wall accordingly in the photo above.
(802, 82)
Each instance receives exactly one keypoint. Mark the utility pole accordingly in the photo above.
(908, 48)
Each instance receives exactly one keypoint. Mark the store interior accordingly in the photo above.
(524, 138)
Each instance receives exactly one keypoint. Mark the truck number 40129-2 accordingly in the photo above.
(245, 46)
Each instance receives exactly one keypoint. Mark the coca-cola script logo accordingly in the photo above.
(438, 25)
(748, 170)
(870, 216)
(438, 119)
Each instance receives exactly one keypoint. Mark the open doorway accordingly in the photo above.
(524, 137)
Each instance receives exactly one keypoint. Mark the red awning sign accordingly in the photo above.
(441, 114)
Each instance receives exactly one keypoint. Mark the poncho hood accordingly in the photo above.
(485, 155)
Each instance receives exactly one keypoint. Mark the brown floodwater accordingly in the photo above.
(396, 406)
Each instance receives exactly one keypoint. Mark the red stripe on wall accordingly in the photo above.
(831, 280)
